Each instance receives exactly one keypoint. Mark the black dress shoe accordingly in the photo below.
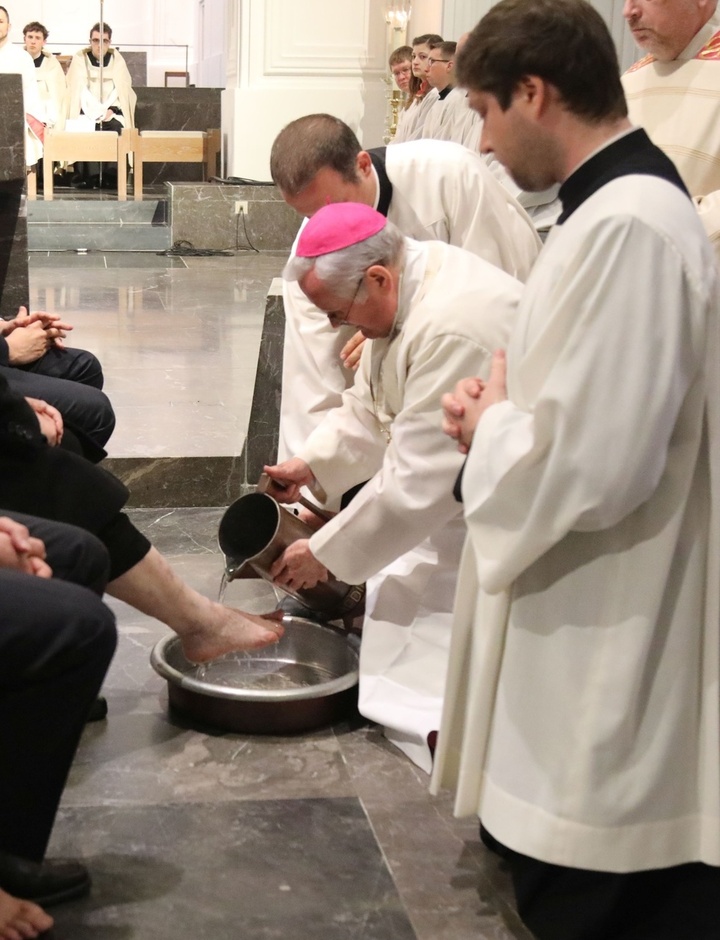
(98, 709)
(47, 883)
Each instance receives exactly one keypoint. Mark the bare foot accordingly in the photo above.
(234, 630)
(20, 920)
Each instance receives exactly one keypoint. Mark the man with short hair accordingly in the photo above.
(429, 189)
(440, 75)
(110, 108)
(400, 65)
(674, 92)
(17, 62)
(432, 311)
(49, 74)
(582, 713)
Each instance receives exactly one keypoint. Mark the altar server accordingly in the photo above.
(433, 311)
(582, 712)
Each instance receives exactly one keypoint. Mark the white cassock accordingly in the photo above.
(415, 117)
(440, 191)
(51, 86)
(15, 61)
(455, 120)
(406, 119)
(582, 716)
(84, 92)
(678, 104)
(454, 310)
(435, 117)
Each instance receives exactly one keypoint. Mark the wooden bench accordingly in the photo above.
(172, 147)
(94, 146)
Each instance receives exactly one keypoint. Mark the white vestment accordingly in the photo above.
(406, 119)
(84, 92)
(15, 61)
(417, 115)
(454, 310)
(52, 87)
(440, 191)
(678, 104)
(581, 718)
(434, 119)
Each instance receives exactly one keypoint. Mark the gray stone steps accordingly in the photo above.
(101, 224)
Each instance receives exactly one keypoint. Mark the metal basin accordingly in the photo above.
(305, 681)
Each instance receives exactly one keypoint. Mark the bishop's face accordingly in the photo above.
(665, 27)
(372, 312)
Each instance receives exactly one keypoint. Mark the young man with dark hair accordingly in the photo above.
(582, 713)
(49, 74)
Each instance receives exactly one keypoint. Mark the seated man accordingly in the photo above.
(56, 642)
(49, 75)
(36, 364)
(430, 189)
(55, 484)
(431, 310)
(110, 108)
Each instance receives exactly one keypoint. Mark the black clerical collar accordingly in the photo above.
(633, 153)
(96, 62)
(442, 95)
(38, 62)
(378, 155)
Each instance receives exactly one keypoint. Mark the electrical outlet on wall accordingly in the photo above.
(241, 206)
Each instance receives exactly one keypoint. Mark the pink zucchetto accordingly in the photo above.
(337, 226)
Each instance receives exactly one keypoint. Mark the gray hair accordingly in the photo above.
(343, 270)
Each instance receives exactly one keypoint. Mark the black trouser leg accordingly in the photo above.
(56, 643)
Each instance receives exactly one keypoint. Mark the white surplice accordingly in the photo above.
(582, 717)
(678, 104)
(404, 530)
(84, 91)
(51, 86)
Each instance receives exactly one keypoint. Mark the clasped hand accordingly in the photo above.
(463, 408)
(30, 335)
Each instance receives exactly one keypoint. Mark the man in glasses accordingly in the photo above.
(431, 311)
(110, 107)
(440, 75)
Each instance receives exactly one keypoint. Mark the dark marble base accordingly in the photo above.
(294, 869)
(14, 283)
(192, 481)
(204, 215)
(261, 444)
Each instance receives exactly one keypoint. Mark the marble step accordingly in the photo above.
(100, 224)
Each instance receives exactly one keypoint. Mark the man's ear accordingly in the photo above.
(363, 163)
(531, 93)
(378, 279)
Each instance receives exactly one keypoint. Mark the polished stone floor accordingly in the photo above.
(193, 832)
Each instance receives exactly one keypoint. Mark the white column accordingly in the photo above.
(287, 58)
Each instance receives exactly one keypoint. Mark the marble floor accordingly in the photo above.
(194, 832)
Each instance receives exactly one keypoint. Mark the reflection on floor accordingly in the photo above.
(191, 832)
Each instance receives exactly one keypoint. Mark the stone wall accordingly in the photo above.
(14, 286)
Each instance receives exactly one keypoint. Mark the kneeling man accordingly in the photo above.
(433, 312)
